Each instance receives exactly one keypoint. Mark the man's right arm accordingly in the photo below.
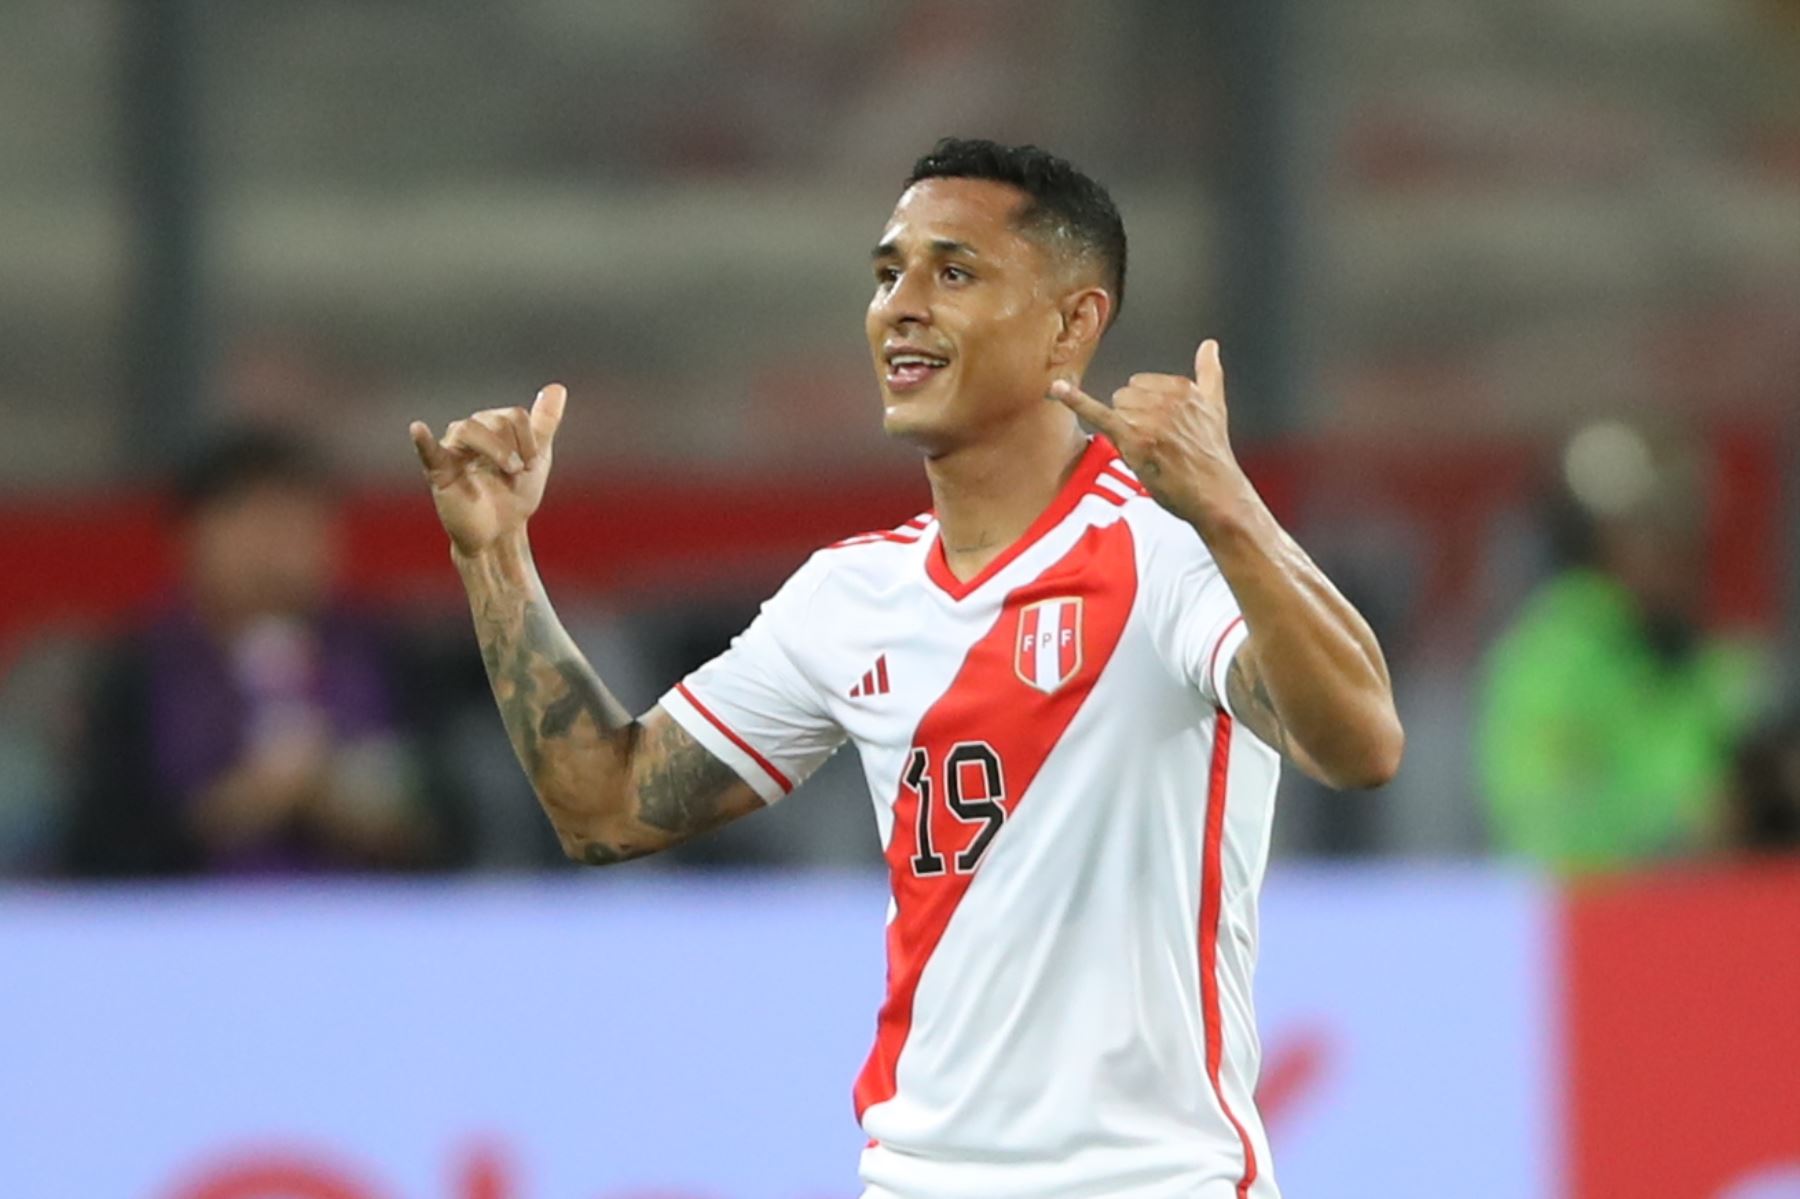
(615, 788)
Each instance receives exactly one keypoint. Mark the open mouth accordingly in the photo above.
(908, 371)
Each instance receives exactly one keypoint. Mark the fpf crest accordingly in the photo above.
(1047, 645)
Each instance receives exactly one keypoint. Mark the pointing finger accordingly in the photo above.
(1087, 408)
(547, 413)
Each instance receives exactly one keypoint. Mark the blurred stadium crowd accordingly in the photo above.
(1509, 297)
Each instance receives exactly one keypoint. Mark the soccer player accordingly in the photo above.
(1070, 683)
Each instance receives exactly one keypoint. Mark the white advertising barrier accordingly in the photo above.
(639, 1036)
(1408, 1023)
(600, 1038)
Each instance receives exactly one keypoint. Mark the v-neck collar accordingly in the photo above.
(937, 567)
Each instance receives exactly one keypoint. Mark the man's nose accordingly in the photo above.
(907, 300)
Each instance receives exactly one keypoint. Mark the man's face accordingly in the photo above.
(965, 313)
(1660, 560)
(269, 549)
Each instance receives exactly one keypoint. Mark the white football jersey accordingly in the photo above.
(1075, 832)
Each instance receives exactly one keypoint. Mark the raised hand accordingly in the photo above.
(1171, 432)
(488, 473)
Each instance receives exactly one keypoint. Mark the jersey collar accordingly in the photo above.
(1100, 451)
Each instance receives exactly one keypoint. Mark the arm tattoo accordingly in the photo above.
(596, 854)
(1248, 695)
(543, 688)
(576, 741)
(541, 683)
(682, 787)
(582, 692)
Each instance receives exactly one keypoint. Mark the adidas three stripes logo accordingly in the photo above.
(873, 683)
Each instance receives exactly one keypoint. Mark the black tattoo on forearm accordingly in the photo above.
(1248, 694)
(596, 854)
(582, 692)
(540, 682)
(577, 743)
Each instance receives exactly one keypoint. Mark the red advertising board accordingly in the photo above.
(1683, 1035)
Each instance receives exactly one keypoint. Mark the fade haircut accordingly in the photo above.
(1064, 208)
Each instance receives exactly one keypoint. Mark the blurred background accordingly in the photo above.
(1509, 296)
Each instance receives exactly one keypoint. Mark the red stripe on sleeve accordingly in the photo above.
(781, 779)
(989, 700)
(1212, 885)
(1212, 661)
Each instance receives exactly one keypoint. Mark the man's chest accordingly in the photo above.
(906, 666)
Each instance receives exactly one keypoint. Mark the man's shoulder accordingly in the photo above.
(861, 563)
(1571, 611)
(1166, 544)
(876, 556)
(910, 533)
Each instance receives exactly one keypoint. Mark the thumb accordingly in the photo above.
(1087, 408)
(547, 413)
(1207, 367)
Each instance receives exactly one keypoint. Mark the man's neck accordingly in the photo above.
(987, 494)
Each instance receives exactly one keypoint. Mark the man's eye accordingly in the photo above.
(886, 274)
(955, 274)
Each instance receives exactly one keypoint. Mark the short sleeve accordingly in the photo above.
(1194, 618)
(752, 707)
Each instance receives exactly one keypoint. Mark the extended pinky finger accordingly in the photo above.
(432, 456)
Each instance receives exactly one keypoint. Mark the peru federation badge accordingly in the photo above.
(1047, 652)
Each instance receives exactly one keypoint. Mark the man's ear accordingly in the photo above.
(1084, 313)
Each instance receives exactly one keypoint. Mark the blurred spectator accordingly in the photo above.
(1762, 805)
(1608, 715)
(37, 700)
(254, 726)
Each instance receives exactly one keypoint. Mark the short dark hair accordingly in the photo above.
(1063, 206)
(237, 460)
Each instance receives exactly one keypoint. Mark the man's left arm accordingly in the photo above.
(1310, 678)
